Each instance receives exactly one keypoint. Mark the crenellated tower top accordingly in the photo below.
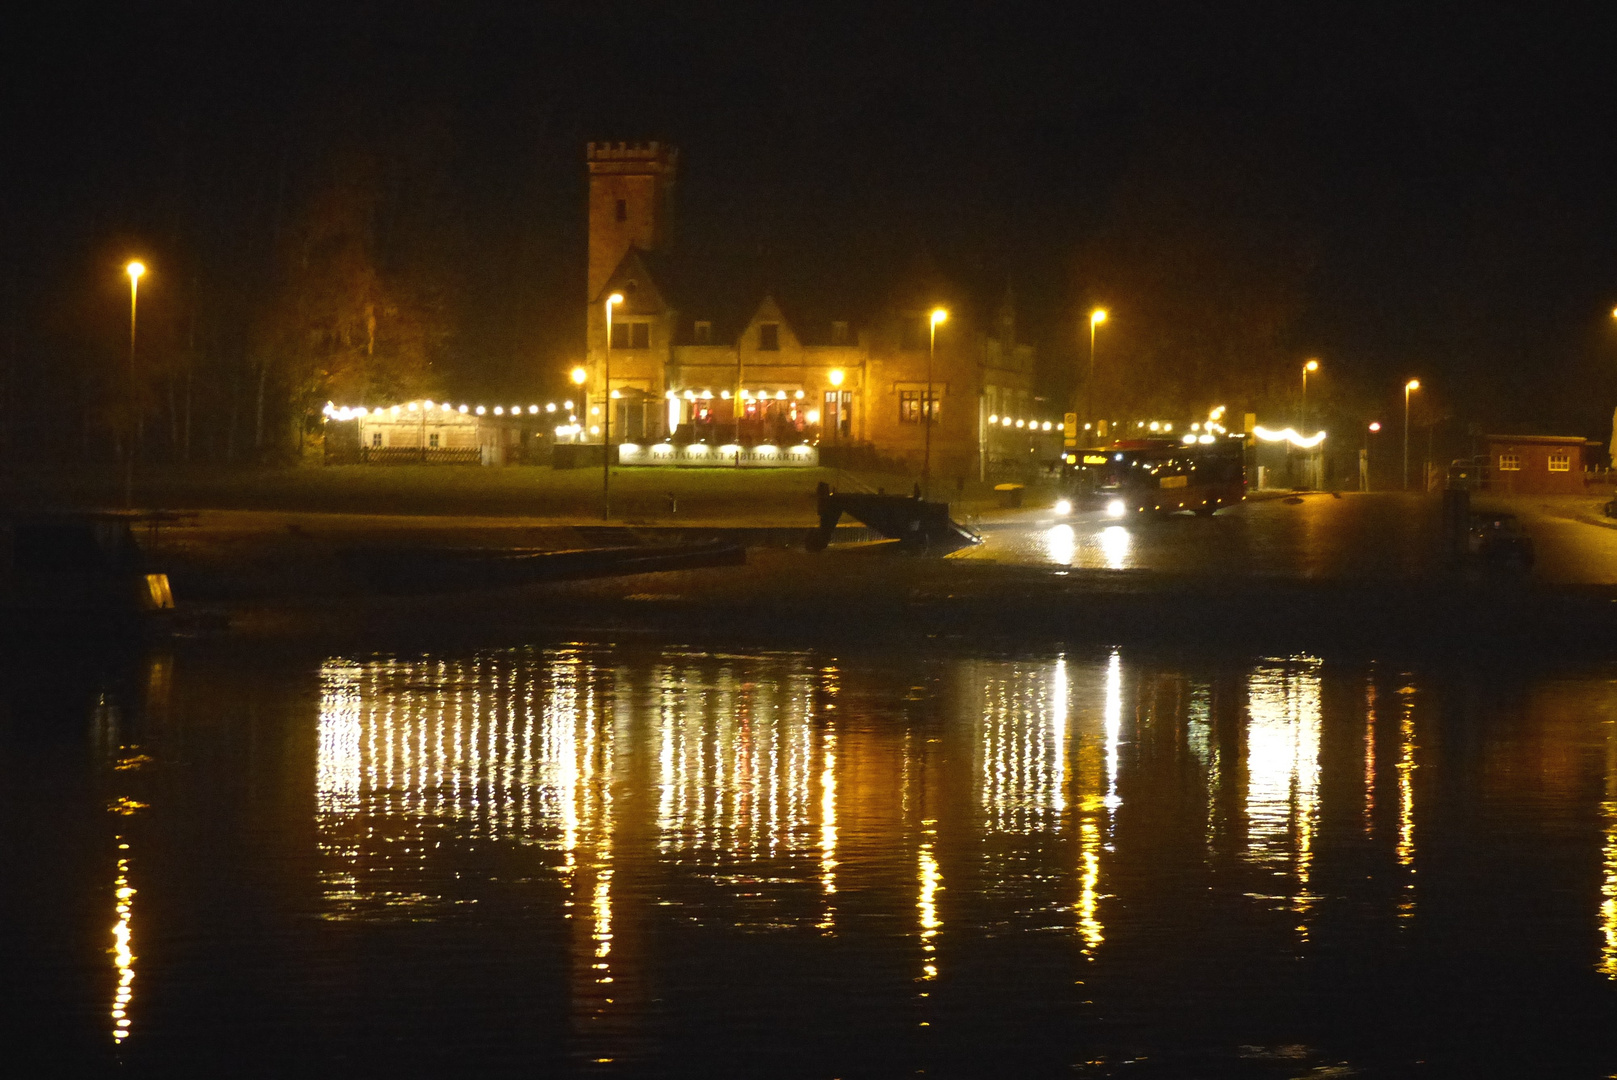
(631, 203)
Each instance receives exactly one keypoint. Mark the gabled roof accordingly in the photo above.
(650, 292)
(811, 298)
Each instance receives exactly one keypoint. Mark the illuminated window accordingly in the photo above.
(769, 337)
(704, 332)
(1510, 463)
(837, 417)
(1560, 461)
(839, 333)
(910, 403)
(622, 211)
(376, 438)
(432, 440)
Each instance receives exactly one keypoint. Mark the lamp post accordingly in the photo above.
(938, 316)
(1302, 422)
(1364, 460)
(1096, 317)
(135, 269)
(606, 412)
(1410, 386)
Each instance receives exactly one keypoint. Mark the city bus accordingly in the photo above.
(1162, 475)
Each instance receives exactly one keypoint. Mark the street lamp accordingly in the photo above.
(1364, 461)
(938, 316)
(606, 413)
(1096, 317)
(1410, 386)
(1312, 365)
(135, 269)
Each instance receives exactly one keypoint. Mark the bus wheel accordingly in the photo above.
(1206, 511)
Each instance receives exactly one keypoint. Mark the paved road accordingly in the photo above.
(1375, 536)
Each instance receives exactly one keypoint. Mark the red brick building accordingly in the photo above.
(1535, 464)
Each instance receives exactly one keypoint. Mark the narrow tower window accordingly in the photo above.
(622, 210)
(769, 337)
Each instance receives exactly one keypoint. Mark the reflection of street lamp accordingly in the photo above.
(1411, 385)
(606, 405)
(135, 269)
(938, 316)
(1096, 317)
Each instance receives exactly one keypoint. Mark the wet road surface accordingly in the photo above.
(1317, 537)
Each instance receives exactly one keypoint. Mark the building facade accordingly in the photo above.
(1536, 464)
(750, 365)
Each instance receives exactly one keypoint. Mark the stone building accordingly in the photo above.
(753, 364)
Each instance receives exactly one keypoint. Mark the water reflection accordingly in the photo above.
(655, 822)
(1282, 804)
(1406, 797)
(1608, 886)
(123, 955)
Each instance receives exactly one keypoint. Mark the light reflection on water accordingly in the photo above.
(515, 748)
(1282, 803)
(1608, 889)
(918, 838)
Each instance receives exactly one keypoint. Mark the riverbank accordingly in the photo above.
(1360, 572)
(734, 497)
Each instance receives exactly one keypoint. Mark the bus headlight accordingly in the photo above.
(1115, 508)
(1063, 507)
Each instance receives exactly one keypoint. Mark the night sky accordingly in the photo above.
(1447, 172)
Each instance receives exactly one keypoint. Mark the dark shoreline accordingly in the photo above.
(791, 600)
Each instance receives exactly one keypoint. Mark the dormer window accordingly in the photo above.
(704, 332)
(839, 333)
(769, 337)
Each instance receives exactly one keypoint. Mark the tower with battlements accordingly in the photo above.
(631, 203)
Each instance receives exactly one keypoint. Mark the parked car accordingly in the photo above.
(1499, 538)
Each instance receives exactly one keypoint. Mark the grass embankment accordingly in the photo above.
(745, 496)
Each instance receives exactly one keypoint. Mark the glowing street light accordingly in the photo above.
(1311, 366)
(1096, 317)
(579, 375)
(1409, 387)
(606, 400)
(938, 317)
(837, 376)
(1364, 455)
(135, 269)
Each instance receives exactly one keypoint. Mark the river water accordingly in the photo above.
(647, 860)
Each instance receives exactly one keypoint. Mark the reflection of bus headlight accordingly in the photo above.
(1063, 507)
(1115, 508)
